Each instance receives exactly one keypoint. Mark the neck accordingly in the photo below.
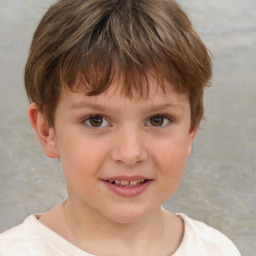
(89, 229)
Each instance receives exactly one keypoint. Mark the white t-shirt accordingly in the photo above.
(32, 238)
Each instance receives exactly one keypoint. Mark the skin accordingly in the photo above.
(128, 142)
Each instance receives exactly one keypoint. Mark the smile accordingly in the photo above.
(127, 186)
(127, 183)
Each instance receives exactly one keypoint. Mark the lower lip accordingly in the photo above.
(128, 191)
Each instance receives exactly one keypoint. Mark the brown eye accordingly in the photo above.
(157, 120)
(95, 121)
(160, 121)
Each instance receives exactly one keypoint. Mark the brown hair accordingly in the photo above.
(102, 39)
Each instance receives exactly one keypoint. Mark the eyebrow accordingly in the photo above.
(87, 105)
(166, 106)
(94, 107)
(150, 108)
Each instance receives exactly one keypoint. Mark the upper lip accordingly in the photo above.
(128, 178)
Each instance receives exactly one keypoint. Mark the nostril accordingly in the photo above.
(129, 157)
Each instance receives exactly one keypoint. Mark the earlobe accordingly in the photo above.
(45, 133)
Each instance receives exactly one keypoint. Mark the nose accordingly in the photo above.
(129, 148)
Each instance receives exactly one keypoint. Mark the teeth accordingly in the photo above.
(134, 182)
(124, 182)
(127, 182)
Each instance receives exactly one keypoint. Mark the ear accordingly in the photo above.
(45, 134)
(191, 137)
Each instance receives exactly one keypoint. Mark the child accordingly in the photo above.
(116, 90)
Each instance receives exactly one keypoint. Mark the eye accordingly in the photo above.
(158, 120)
(96, 121)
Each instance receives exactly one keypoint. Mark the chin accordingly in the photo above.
(128, 215)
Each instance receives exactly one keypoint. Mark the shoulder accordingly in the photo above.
(34, 238)
(202, 239)
(16, 241)
(17, 233)
(10, 239)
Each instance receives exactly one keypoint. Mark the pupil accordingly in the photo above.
(96, 121)
(157, 120)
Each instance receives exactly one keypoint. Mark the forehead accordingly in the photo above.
(150, 95)
(137, 84)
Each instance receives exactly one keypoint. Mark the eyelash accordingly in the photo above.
(164, 116)
(94, 116)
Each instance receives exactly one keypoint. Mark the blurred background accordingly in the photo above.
(219, 186)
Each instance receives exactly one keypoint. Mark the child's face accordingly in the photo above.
(109, 139)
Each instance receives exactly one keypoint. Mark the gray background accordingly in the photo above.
(219, 185)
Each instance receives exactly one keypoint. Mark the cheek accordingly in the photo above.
(172, 154)
(80, 160)
(171, 168)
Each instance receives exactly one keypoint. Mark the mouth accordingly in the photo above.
(128, 183)
(128, 186)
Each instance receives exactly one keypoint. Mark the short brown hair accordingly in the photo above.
(100, 39)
